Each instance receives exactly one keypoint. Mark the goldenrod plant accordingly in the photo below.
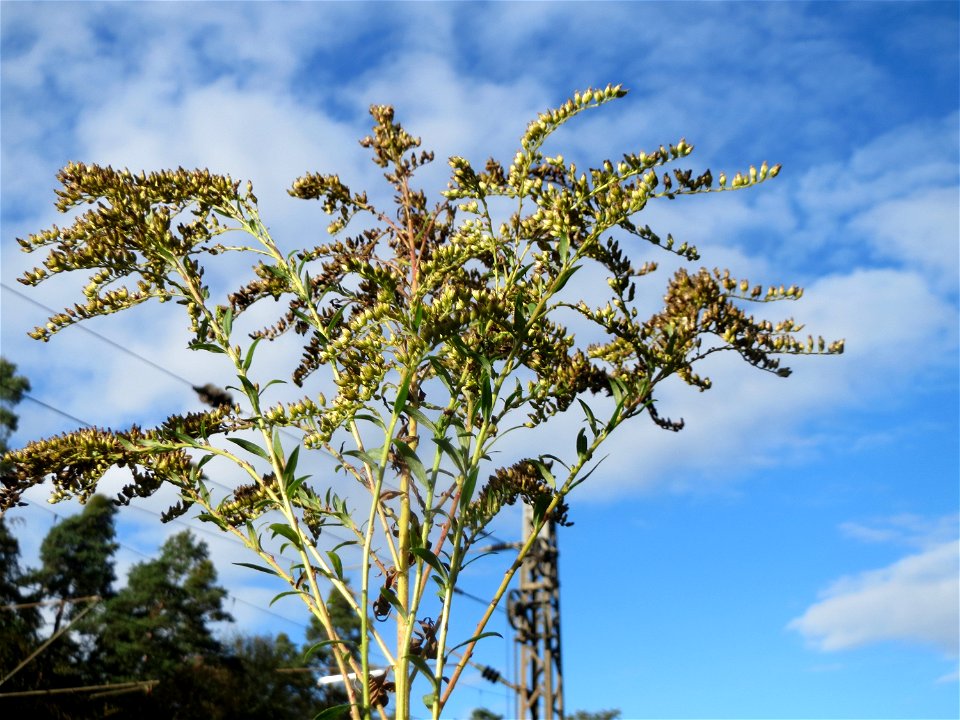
(441, 325)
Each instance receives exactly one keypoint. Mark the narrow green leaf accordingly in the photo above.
(617, 388)
(481, 636)
(420, 664)
(209, 347)
(589, 473)
(539, 508)
(563, 246)
(545, 473)
(218, 521)
(417, 415)
(469, 484)
(590, 418)
(284, 594)
(184, 438)
(227, 322)
(418, 317)
(249, 357)
(248, 387)
(335, 320)
(371, 457)
(549, 456)
(402, 392)
(447, 447)
(293, 489)
(277, 272)
(375, 419)
(336, 563)
(301, 315)
(204, 460)
(432, 560)
(412, 460)
(565, 276)
(486, 397)
(392, 598)
(277, 444)
(288, 532)
(291, 467)
(261, 568)
(519, 319)
(442, 373)
(252, 534)
(250, 447)
(582, 442)
(319, 645)
(333, 713)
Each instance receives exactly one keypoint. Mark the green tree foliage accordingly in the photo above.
(160, 622)
(76, 557)
(484, 714)
(12, 388)
(18, 625)
(264, 678)
(437, 327)
(599, 715)
(158, 627)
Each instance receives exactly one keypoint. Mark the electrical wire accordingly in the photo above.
(185, 381)
(142, 554)
(104, 338)
(151, 363)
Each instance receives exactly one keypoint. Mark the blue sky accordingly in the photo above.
(794, 551)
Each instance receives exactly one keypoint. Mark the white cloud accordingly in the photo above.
(195, 98)
(905, 529)
(920, 230)
(913, 600)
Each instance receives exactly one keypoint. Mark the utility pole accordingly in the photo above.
(534, 612)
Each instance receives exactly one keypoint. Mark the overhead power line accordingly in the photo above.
(58, 411)
(112, 343)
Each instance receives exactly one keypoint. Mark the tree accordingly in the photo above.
(18, 625)
(263, 678)
(12, 388)
(161, 618)
(484, 714)
(599, 715)
(440, 326)
(158, 628)
(76, 558)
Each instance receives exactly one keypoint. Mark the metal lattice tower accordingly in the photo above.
(534, 611)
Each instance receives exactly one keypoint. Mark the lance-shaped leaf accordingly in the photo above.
(250, 447)
(413, 460)
(261, 568)
(432, 560)
(475, 638)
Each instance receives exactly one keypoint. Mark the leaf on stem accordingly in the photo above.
(332, 713)
(475, 638)
(250, 447)
(413, 461)
(261, 568)
(432, 560)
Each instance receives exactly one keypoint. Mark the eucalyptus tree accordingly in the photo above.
(438, 327)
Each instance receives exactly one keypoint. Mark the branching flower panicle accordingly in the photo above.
(436, 328)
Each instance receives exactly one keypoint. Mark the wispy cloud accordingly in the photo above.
(913, 600)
